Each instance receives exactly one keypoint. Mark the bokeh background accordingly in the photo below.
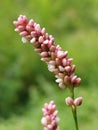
(25, 82)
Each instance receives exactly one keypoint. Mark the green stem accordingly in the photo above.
(74, 110)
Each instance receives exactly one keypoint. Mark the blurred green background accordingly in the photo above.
(26, 84)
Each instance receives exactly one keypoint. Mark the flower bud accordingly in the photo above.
(37, 28)
(67, 69)
(73, 68)
(46, 42)
(24, 33)
(44, 54)
(73, 79)
(61, 85)
(78, 81)
(40, 39)
(66, 79)
(64, 61)
(24, 40)
(33, 40)
(69, 60)
(51, 67)
(61, 68)
(44, 121)
(43, 31)
(69, 101)
(78, 101)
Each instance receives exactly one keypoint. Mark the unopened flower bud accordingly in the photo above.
(78, 81)
(33, 40)
(69, 101)
(40, 39)
(69, 61)
(73, 68)
(61, 68)
(44, 121)
(43, 31)
(37, 28)
(64, 61)
(44, 54)
(24, 33)
(46, 42)
(51, 67)
(24, 40)
(61, 54)
(73, 79)
(66, 79)
(59, 80)
(78, 101)
(61, 85)
(67, 69)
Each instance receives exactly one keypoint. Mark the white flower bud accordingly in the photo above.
(24, 40)
(33, 40)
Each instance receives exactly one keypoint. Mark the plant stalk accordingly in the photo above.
(74, 110)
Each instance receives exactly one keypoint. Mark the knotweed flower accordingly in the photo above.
(50, 119)
(52, 54)
(57, 61)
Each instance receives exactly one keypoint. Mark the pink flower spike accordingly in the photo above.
(50, 119)
(45, 45)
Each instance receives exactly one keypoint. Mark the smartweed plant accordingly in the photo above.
(58, 62)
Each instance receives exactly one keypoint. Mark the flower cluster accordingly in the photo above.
(50, 119)
(73, 102)
(52, 54)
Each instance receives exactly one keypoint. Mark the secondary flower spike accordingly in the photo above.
(50, 119)
(52, 54)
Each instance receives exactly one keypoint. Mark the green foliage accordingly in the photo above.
(31, 119)
(74, 24)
